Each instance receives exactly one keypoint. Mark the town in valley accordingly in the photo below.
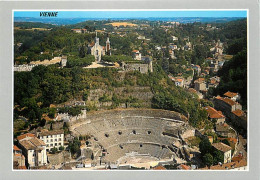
(130, 94)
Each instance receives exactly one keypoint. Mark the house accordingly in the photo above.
(236, 165)
(171, 53)
(232, 95)
(215, 115)
(174, 38)
(63, 61)
(18, 158)
(33, 149)
(79, 30)
(200, 84)
(178, 82)
(200, 95)
(223, 130)
(159, 168)
(197, 69)
(136, 55)
(226, 104)
(184, 167)
(141, 37)
(52, 139)
(225, 149)
(239, 118)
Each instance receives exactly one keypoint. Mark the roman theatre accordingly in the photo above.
(134, 136)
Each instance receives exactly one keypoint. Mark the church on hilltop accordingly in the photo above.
(98, 51)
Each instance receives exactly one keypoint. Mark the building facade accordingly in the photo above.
(33, 149)
(52, 139)
(225, 149)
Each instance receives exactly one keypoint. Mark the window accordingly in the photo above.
(59, 139)
(51, 136)
(55, 144)
(59, 143)
(51, 140)
(119, 132)
(134, 132)
(55, 140)
(47, 140)
(47, 145)
(141, 145)
(149, 132)
(51, 145)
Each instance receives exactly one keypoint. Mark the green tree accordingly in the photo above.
(61, 148)
(205, 146)
(54, 150)
(218, 156)
(207, 159)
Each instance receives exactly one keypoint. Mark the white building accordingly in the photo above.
(33, 149)
(225, 149)
(52, 139)
(136, 55)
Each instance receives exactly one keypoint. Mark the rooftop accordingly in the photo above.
(213, 113)
(25, 136)
(221, 146)
(230, 94)
(200, 80)
(227, 100)
(230, 165)
(16, 148)
(47, 133)
(32, 143)
(222, 127)
(184, 167)
(159, 168)
(238, 112)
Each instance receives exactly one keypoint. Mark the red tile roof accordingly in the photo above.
(230, 94)
(238, 112)
(159, 168)
(22, 167)
(226, 100)
(213, 113)
(16, 148)
(230, 165)
(25, 135)
(184, 167)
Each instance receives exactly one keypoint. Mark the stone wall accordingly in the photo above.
(59, 158)
(118, 113)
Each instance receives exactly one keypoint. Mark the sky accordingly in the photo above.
(136, 14)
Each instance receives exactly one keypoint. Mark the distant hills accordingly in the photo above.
(67, 21)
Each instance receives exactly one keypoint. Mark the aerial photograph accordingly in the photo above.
(130, 90)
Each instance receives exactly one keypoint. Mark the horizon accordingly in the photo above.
(137, 14)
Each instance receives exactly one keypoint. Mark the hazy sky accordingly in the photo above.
(135, 14)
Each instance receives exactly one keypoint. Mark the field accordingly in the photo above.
(122, 24)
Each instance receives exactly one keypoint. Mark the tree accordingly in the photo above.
(218, 156)
(54, 150)
(205, 146)
(225, 141)
(207, 159)
(61, 148)
(82, 52)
